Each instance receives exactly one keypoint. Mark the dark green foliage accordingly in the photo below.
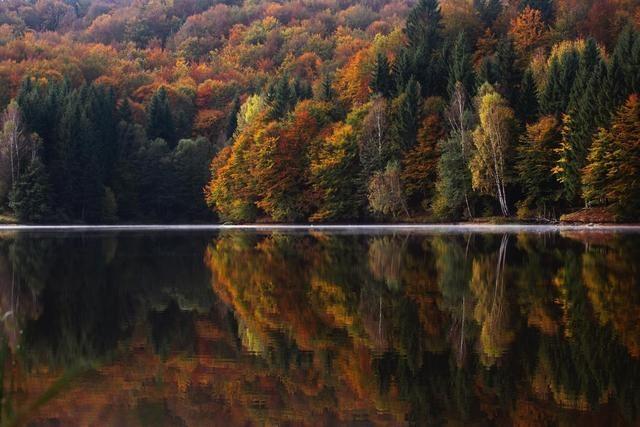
(190, 162)
(489, 10)
(461, 69)
(537, 156)
(30, 198)
(612, 92)
(326, 92)
(427, 59)
(381, 81)
(423, 25)
(233, 118)
(402, 70)
(560, 79)
(160, 121)
(280, 98)
(507, 74)
(454, 180)
(406, 116)
(527, 105)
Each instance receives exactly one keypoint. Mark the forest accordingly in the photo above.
(324, 111)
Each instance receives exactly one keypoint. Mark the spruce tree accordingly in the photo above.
(280, 98)
(507, 72)
(625, 53)
(406, 117)
(232, 125)
(488, 10)
(401, 70)
(594, 175)
(31, 197)
(381, 82)
(461, 69)
(424, 24)
(527, 103)
(160, 121)
(612, 92)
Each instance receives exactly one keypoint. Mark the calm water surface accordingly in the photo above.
(302, 327)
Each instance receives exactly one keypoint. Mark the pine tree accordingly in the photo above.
(536, 157)
(594, 175)
(580, 124)
(506, 70)
(30, 199)
(589, 60)
(560, 79)
(612, 92)
(624, 52)
(423, 25)
(402, 70)
(406, 116)
(326, 92)
(527, 105)
(381, 82)
(488, 10)
(454, 180)
(160, 121)
(423, 30)
(623, 186)
(461, 69)
(232, 125)
(280, 98)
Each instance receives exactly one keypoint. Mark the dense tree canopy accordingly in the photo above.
(298, 106)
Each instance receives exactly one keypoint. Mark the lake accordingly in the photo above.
(322, 326)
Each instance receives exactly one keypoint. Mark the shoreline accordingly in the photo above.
(405, 227)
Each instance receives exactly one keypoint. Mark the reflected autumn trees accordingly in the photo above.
(445, 327)
(334, 328)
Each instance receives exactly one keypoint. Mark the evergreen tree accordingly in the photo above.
(402, 70)
(406, 117)
(486, 72)
(461, 69)
(612, 92)
(423, 25)
(625, 52)
(536, 157)
(580, 123)
(280, 98)
(621, 161)
(30, 199)
(232, 125)
(381, 82)
(527, 103)
(589, 60)
(160, 121)
(454, 180)
(423, 30)
(560, 79)
(594, 175)
(326, 92)
(507, 72)
(488, 10)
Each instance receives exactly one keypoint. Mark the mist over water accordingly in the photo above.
(320, 325)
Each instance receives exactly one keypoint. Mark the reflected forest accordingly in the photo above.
(319, 328)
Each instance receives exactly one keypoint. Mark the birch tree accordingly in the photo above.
(16, 150)
(491, 140)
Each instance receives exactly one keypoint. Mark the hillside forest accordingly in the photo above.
(322, 111)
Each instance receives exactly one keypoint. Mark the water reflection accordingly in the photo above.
(319, 328)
